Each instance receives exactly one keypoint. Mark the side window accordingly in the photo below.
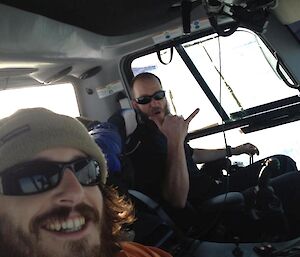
(58, 98)
(241, 73)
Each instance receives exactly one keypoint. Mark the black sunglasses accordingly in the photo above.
(39, 176)
(147, 98)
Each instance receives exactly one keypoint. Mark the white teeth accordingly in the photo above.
(77, 223)
(52, 226)
(57, 226)
(64, 225)
(69, 225)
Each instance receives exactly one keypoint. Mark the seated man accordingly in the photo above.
(165, 166)
(53, 197)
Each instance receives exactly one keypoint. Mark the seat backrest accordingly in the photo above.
(130, 119)
(126, 122)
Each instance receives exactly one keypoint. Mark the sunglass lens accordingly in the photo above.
(39, 182)
(147, 99)
(159, 95)
(87, 172)
(143, 100)
(31, 179)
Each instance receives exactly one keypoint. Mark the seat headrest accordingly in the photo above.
(129, 116)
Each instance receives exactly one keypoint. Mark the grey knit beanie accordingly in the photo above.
(29, 131)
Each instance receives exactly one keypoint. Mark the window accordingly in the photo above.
(240, 72)
(59, 98)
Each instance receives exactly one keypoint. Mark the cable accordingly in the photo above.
(211, 225)
(223, 122)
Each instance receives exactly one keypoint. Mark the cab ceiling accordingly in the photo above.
(105, 17)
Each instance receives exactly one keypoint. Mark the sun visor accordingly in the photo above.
(52, 75)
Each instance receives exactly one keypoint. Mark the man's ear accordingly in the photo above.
(134, 104)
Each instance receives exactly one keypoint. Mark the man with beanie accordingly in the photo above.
(53, 197)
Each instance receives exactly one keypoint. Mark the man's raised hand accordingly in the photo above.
(175, 127)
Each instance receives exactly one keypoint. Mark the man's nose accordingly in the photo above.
(154, 103)
(69, 192)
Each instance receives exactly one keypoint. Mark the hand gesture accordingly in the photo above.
(175, 127)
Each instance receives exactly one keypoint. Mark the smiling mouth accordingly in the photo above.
(66, 226)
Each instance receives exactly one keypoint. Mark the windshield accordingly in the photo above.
(240, 72)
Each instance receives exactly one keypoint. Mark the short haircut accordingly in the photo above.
(144, 76)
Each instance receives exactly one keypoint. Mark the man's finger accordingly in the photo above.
(188, 119)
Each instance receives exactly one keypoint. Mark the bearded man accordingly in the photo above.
(165, 166)
(53, 197)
